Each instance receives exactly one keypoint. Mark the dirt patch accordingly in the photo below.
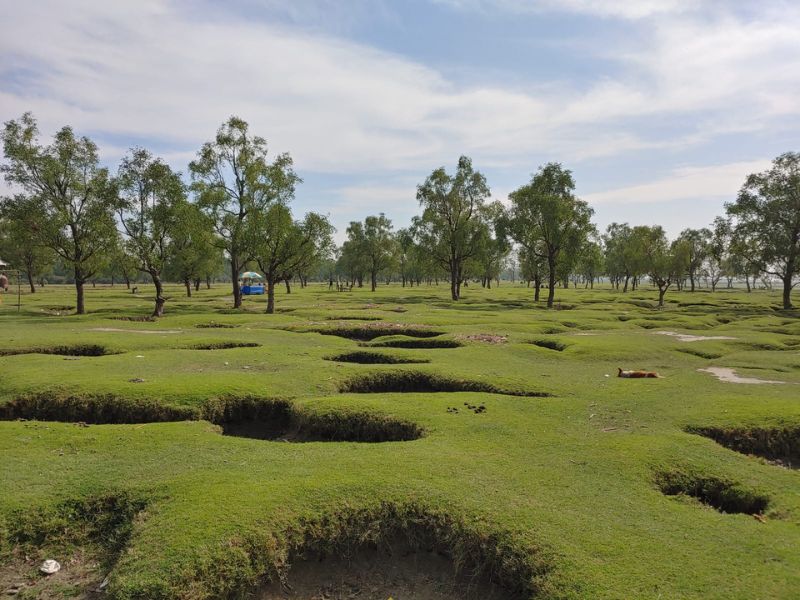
(729, 376)
(145, 331)
(720, 494)
(369, 331)
(404, 551)
(353, 318)
(428, 344)
(375, 358)
(485, 338)
(214, 325)
(417, 381)
(80, 577)
(685, 337)
(224, 345)
(71, 350)
(393, 570)
(779, 445)
(550, 345)
(139, 319)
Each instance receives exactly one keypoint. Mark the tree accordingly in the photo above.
(696, 241)
(665, 263)
(450, 227)
(718, 248)
(75, 195)
(590, 262)
(19, 244)
(150, 201)
(767, 211)
(192, 250)
(235, 185)
(547, 219)
(372, 242)
(287, 246)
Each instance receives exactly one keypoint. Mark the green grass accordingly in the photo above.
(598, 487)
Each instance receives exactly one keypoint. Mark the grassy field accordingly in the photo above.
(193, 456)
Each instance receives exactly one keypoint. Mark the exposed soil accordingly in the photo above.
(73, 350)
(397, 572)
(375, 358)
(417, 381)
(778, 445)
(80, 578)
(700, 353)
(722, 495)
(729, 376)
(225, 345)
(369, 331)
(486, 338)
(213, 325)
(685, 337)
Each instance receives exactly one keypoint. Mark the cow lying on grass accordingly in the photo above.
(638, 374)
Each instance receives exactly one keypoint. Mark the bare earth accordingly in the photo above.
(685, 337)
(379, 575)
(729, 376)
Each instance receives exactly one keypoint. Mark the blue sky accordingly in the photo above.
(659, 107)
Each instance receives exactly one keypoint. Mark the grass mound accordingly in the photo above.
(475, 557)
(224, 345)
(779, 444)
(418, 381)
(550, 345)
(70, 350)
(722, 495)
(370, 331)
(374, 358)
(418, 344)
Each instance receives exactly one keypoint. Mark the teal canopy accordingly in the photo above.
(250, 275)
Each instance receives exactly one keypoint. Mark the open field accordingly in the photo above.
(200, 454)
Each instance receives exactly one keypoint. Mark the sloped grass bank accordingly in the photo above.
(425, 344)
(721, 494)
(780, 444)
(375, 358)
(418, 381)
(240, 416)
(370, 331)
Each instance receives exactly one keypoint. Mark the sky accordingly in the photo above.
(660, 108)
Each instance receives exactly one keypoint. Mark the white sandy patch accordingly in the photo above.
(116, 330)
(685, 337)
(729, 376)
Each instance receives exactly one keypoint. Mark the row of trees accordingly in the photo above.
(236, 208)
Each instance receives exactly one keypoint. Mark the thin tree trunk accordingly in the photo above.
(30, 281)
(188, 285)
(80, 305)
(270, 295)
(288, 285)
(158, 311)
(237, 290)
(551, 281)
(787, 292)
(196, 285)
(661, 292)
(374, 280)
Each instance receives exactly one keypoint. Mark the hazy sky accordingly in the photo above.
(659, 107)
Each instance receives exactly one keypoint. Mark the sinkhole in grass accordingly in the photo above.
(722, 495)
(550, 345)
(137, 319)
(403, 551)
(780, 445)
(277, 419)
(352, 318)
(424, 344)
(418, 381)
(374, 358)
(215, 325)
(65, 350)
(224, 345)
(240, 416)
(369, 331)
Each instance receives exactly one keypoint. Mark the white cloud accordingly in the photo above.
(701, 183)
(625, 9)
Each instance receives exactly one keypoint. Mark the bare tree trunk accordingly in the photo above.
(30, 281)
(188, 285)
(787, 292)
(270, 295)
(288, 285)
(551, 281)
(158, 311)
(237, 290)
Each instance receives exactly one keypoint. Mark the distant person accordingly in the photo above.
(3, 282)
